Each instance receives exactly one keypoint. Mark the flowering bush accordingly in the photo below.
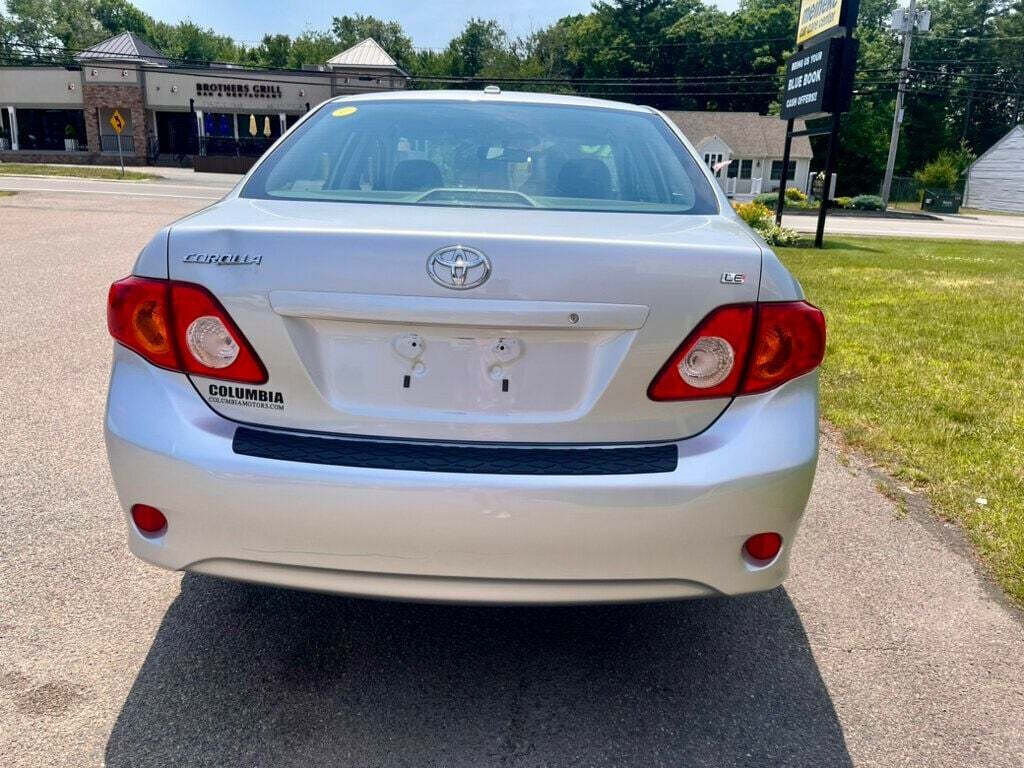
(761, 219)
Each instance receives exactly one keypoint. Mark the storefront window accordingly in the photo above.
(47, 129)
(219, 124)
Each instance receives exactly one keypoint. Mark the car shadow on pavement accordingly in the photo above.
(242, 675)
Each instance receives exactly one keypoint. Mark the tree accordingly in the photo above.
(481, 45)
(312, 48)
(274, 51)
(117, 16)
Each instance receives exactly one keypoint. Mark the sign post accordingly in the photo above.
(117, 123)
(819, 82)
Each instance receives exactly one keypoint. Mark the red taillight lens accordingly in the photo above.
(763, 546)
(742, 349)
(725, 327)
(790, 342)
(181, 326)
(148, 519)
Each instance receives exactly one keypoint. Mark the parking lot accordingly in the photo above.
(886, 647)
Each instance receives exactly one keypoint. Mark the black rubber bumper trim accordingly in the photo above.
(463, 459)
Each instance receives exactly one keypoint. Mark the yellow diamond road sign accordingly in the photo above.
(117, 122)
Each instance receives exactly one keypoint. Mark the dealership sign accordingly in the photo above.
(819, 82)
(819, 79)
(821, 16)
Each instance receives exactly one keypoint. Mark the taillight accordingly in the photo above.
(719, 343)
(790, 342)
(742, 349)
(181, 326)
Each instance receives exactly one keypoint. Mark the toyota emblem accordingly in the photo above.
(458, 267)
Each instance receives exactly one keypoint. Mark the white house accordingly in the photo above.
(995, 181)
(747, 149)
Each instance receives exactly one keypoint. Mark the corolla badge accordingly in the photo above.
(458, 267)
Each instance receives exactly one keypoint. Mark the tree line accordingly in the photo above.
(966, 82)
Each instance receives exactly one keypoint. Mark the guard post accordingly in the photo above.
(819, 83)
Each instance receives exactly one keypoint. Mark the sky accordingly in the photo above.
(430, 23)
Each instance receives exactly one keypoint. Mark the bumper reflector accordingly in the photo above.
(148, 519)
(763, 546)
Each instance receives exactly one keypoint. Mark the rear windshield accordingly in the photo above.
(497, 155)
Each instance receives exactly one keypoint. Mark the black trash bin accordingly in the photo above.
(942, 201)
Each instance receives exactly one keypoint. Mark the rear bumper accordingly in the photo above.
(461, 537)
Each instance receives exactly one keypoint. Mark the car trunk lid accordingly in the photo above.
(558, 345)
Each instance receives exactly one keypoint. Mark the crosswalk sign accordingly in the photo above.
(117, 122)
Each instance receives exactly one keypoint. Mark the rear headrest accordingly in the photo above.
(584, 177)
(415, 175)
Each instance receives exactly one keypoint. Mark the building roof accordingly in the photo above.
(368, 53)
(748, 134)
(1019, 128)
(124, 47)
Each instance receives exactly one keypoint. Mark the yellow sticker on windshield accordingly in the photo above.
(343, 112)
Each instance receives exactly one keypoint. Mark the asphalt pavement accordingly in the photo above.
(887, 646)
(986, 227)
(185, 184)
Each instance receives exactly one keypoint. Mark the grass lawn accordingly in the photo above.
(78, 171)
(925, 372)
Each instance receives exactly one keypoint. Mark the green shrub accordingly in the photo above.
(70, 132)
(761, 219)
(940, 173)
(844, 202)
(775, 235)
(867, 203)
(794, 199)
(945, 170)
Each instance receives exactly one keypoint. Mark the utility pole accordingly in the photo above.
(909, 22)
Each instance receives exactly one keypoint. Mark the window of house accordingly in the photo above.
(746, 166)
(734, 168)
(777, 170)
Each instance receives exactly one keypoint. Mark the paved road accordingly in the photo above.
(187, 185)
(885, 648)
(991, 227)
(182, 188)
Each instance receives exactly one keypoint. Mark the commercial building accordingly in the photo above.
(995, 181)
(218, 117)
(746, 149)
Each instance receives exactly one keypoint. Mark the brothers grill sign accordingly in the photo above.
(239, 90)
